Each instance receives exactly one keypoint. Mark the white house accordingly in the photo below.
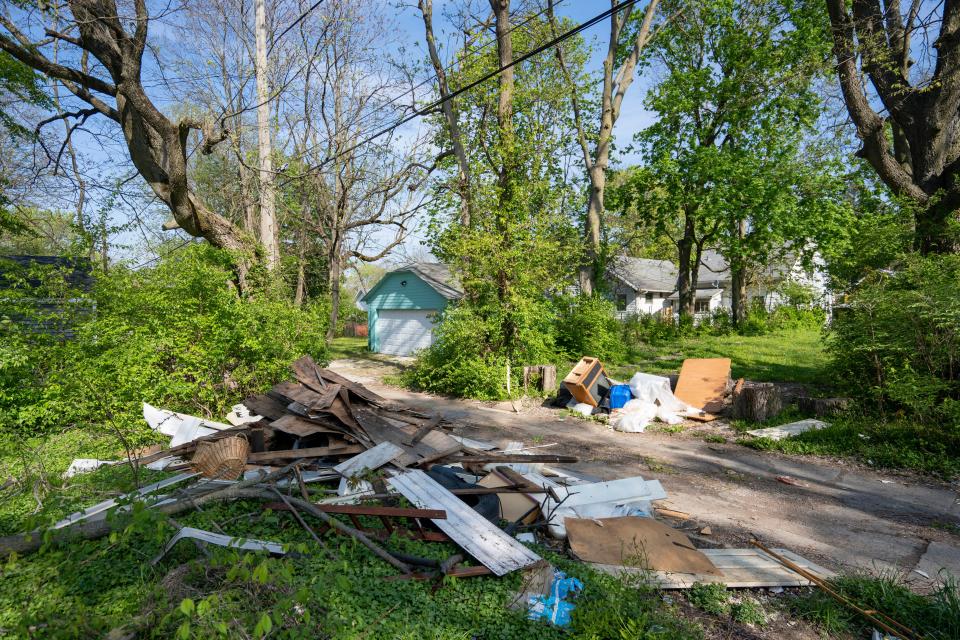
(644, 286)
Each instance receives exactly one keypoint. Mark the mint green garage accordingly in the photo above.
(402, 307)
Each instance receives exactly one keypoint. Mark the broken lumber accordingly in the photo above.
(309, 452)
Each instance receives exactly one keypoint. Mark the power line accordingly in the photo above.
(448, 68)
(433, 105)
(293, 24)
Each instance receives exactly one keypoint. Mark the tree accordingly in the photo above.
(269, 236)
(356, 202)
(735, 101)
(101, 63)
(914, 146)
(618, 71)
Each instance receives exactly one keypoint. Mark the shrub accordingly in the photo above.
(898, 342)
(587, 326)
(466, 358)
(176, 335)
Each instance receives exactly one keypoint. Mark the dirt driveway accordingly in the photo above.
(844, 515)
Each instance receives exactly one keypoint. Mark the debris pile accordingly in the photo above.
(328, 450)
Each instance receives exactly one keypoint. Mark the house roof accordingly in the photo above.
(435, 274)
(644, 274)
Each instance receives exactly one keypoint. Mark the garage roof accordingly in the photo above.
(435, 274)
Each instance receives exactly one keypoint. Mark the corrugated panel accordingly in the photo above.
(497, 551)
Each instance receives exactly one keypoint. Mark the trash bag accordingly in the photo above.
(583, 409)
(487, 505)
(656, 389)
(637, 415)
(554, 606)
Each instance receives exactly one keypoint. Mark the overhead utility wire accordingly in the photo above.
(413, 90)
(433, 105)
(293, 24)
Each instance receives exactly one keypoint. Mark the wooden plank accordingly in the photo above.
(377, 510)
(739, 568)
(492, 547)
(439, 455)
(302, 428)
(703, 382)
(424, 430)
(266, 406)
(495, 458)
(309, 452)
(370, 459)
(380, 430)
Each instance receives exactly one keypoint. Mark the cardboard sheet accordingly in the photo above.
(513, 506)
(703, 382)
(636, 541)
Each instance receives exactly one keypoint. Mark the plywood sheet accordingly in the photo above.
(636, 541)
(739, 568)
(703, 382)
(495, 549)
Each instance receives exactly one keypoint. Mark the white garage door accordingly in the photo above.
(403, 331)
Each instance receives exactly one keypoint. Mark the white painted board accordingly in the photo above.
(790, 429)
(495, 549)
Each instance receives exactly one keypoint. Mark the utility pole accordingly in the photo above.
(268, 215)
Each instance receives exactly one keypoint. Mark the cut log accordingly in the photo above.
(757, 402)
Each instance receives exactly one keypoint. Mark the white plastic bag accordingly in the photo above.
(637, 419)
(651, 388)
(583, 409)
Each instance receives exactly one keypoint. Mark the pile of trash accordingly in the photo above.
(327, 449)
(701, 388)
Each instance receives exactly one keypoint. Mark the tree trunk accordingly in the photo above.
(686, 286)
(334, 271)
(598, 183)
(738, 274)
(451, 115)
(932, 227)
(268, 219)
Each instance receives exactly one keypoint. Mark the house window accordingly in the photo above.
(701, 306)
(622, 302)
(649, 297)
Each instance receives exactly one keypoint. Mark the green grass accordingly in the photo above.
(896, 444)
(934, 617)
(347, 347)
(88, 588)
(788, 355)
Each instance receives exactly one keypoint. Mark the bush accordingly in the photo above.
(898, 343)
(177, 335)
(466, 358)
(587, 326)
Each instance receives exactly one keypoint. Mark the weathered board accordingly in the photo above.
(739, 568)
(370, 459)
(787, 430)
(495, 549)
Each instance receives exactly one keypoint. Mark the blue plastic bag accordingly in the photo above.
(554, 607)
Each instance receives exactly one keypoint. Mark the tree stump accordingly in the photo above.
(542, 376)
(757, 401)
(822, 407)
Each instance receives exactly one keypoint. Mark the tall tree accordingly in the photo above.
(101, 64)
(269, 236)
(618, 72)
(911, 56)
(736, 98)
(451, 115)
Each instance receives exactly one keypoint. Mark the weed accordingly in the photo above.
(710, 598)
(715, 437)
(748, 611)
(936, 616)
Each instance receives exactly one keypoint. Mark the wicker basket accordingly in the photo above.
(222, 459)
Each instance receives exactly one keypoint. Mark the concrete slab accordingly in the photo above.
(940, 561)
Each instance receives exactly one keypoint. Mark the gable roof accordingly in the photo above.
(644, 274)
(436, 274)
(76, 272)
